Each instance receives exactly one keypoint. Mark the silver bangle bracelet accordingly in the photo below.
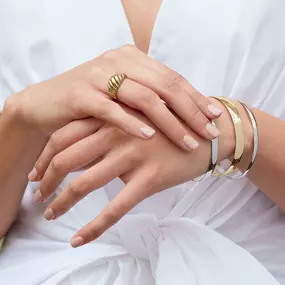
(255, 141)
(214, 159)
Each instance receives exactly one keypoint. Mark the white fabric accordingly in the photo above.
(217, 232)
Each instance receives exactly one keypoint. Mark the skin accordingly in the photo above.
(31, 116)
(28, 128)
(140, 24)
(147, 167)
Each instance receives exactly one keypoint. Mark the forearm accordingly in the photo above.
(19, 149)
(268, 172)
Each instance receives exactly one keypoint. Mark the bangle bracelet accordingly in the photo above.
(239, 137)
(214, 159)
(2, 239)
(255, 141)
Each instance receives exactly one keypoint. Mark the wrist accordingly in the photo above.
(13, 117)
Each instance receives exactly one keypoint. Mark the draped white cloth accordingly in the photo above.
(217, 232)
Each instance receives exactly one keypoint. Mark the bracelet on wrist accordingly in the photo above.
(239, 138)
(214, 159)
(255, 142)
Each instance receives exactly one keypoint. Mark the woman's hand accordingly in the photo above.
(82, 92)
(146, 167)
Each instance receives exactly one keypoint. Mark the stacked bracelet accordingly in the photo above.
(239, 138)
(214, 159)
(214, 169)
(255, 141)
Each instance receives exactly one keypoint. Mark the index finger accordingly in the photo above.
(133, 193)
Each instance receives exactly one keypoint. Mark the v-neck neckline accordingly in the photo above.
(156, 27)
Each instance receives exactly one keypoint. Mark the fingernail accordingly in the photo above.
(33, 175)
(147, 132)
(212, 130)
(214, 110)
(38, 197)
(49, 214)
(75, 242)
(190, 142)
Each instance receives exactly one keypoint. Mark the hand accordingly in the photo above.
(82, 92)
(146, 167)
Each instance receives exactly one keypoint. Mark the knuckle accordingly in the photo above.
(57, 164)
(133, 153)
(197, 97)
(105, 109)
(39, 166)
(78, 189)
(173, 83)
(111, 214)
(109, 55)
(73, 191)
(197, 114)
(54, 143)
(154, 177)
(127, 48)
(146, 98)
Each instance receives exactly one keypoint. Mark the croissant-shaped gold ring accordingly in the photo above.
(114, 84)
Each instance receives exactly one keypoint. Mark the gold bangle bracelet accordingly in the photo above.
(239, 137)
(1, 242)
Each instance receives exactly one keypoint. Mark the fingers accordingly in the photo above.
(135, 191)
(162, 82)
(147, 101)
(100, 174)
(61, 140)
(111, 112)
(170, 76)
(74, 157)
(191, 106)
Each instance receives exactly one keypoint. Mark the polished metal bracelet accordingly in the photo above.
(214, 159)
(255, 142)
(239, 138)
(1, 242)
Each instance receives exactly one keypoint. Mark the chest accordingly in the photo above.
(141, 15)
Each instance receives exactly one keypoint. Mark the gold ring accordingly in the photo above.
(114, 84)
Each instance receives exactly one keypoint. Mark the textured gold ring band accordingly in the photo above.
(114, 84)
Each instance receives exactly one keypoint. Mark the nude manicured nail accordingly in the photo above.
(49, 214)
(33, 175)
(147, 132)
(214, 110)
(190, 143)
(212, 130)
(38, 197)
(75, 242)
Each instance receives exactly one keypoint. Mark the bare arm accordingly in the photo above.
(19, 149)
(268, 172)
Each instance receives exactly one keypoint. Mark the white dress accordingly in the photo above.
(217, 232)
